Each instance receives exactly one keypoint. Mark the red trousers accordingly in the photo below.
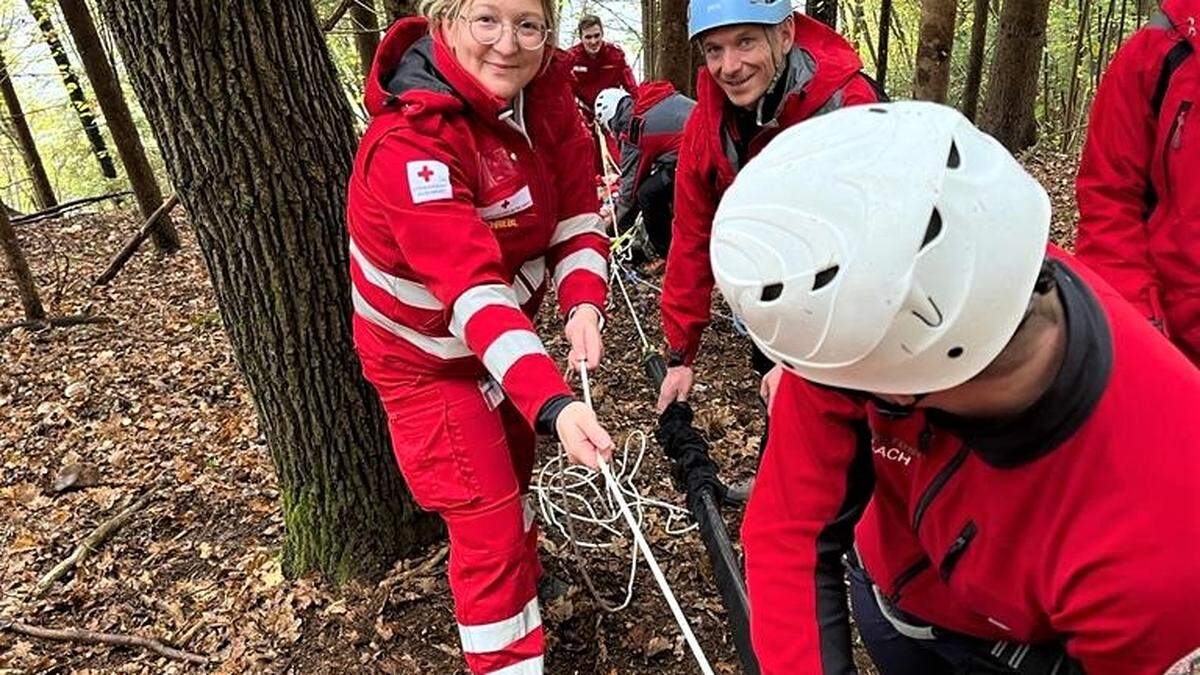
(468, 455)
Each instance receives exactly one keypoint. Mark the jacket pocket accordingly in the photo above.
(956, 550)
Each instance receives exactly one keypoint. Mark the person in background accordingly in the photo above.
(596, 65)
(648, 126)
(466, 195)
(1004, 453)
(765, 69)
(1139, 204)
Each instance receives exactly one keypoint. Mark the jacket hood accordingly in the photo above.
(649, 94)
(1185, 16)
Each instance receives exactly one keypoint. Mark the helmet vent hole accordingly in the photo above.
(881, 111)
(955, 352)
(771, 292)
(953, 160)
(933, 229)
(824, 277)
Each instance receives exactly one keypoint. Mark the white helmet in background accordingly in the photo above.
(608, 101)
(888, 248)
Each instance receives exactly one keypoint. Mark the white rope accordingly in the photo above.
(619, 484)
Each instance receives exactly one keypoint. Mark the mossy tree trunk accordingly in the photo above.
(258, 140)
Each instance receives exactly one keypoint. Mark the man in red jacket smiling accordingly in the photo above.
(1139, 207)
(1004, 450)
(765, 70)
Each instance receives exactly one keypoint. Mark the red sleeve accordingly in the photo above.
(688, 282)
(627, 82)
(482, 309)
(1114, 176)
(578, 250)
(813, 483)
(859, 91)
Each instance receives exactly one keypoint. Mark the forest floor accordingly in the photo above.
(153, 404)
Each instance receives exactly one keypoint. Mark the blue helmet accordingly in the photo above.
(706, 14)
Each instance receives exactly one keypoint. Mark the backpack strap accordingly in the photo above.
(1171, 63)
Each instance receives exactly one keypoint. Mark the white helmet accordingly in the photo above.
(607, 103)
(887, 248)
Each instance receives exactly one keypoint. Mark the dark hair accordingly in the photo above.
(587, 21)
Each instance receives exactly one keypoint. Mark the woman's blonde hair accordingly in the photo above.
(438, 10)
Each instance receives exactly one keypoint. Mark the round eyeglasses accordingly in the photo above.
(531, 34)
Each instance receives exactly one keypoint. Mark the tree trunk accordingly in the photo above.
(398, 9)
(975, 59)
(885, 24)
(266, 191)
(649, 39)
(26, 287)
(825, 11)
(366, 32)
(74, 90)
(120, 121)
(935, 43)
(673, 51)
(43, 193)
(1012, 86)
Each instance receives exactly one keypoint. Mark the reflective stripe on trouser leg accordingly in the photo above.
(493, 574)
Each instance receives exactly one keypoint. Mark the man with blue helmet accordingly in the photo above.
(766, 69)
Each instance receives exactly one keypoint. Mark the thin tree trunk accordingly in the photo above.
(1012, 86)
(74, 89)
(26, 287)
(366, 32)
(398, 9)
(825, 11)
(649, 39)
(1081, 34)
(975, 60)
(673, 52)
(43, 193)
(120, 121)
(885, 25)
(935, 43)
(267, 195)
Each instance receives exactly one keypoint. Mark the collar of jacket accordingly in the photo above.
(1185, 19)
(1071, 398)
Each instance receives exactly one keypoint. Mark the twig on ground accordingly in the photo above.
(56, 322)
(89, 544)
(131, 246)
(92, 637)
(426, 566)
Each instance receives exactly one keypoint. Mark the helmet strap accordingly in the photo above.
(776, 76)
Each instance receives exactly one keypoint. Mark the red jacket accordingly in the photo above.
(823, 75)
(592, 74)
(1139, 204)
(457, 215)
(1077, 521)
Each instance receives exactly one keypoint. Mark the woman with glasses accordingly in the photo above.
(472, 189)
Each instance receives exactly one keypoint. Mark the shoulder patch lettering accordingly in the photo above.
(429, 180)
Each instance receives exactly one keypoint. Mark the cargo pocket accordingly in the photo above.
(426, 453)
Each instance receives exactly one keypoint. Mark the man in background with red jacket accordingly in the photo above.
(1005, 454)
(596, 65)
(1139, 204)
(766, 69)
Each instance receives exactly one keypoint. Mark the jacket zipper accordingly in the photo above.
(1174, 140)
(957, 548)
(906, 576)
(935, 486)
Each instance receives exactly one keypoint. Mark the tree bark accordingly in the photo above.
(43, 193)
(935, 44)
(673, 50)
(885, 24)
(398, 9)
(17, 265)
(1012, 86)
(649, 39)
(120, 121)
(366, 32)
(266, 192)
(979, 24)
(825, 11)
(74, 90)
